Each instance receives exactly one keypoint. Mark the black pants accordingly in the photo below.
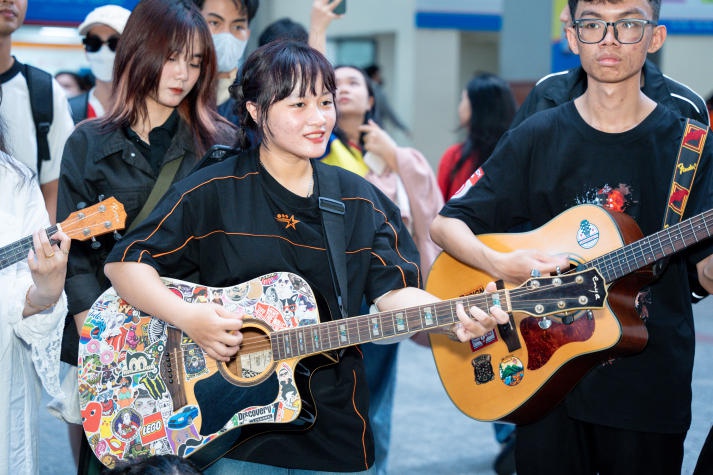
(560, 445)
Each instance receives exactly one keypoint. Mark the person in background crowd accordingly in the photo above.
(156, 465)
(101, 30)
(163, 116)
(615, 147)
(15, 110)
(360, 145)
(32, 310)
(383, 113)
(486, 108)
(229, 23)
(73, 83)
(283, 29)
(286, 97)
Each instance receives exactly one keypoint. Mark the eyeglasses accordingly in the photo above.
(626, 31)
(93, 43)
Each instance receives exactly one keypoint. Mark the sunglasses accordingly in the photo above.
(93, 43)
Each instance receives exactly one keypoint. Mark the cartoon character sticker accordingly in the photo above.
(511, 370)
(126, 424)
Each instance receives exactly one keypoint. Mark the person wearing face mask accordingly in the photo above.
(101, 30)
(229, 23)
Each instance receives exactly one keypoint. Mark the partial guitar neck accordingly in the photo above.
(650, 249)
(337, 334)
(17, 251)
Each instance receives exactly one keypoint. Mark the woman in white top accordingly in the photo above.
(32, 311)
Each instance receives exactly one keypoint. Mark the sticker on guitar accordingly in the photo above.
(130, 366)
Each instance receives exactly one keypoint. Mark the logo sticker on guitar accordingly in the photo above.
(587, 234)
(483, 369)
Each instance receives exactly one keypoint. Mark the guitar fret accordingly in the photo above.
(343, 334)
(375, 326)
(17, 251)
(400, 322)
(427, 317)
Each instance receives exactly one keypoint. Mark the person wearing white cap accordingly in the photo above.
(101, 30)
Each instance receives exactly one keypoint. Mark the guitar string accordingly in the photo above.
(17, 250)
(332, 330)
(620, 260)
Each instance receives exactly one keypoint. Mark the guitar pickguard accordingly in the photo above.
(146, 388)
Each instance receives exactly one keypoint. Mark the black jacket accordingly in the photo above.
(558, 88)
(96, 162)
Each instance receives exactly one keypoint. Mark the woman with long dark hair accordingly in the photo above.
(486, 109)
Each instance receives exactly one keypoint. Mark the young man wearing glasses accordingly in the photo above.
(101, 30)
(614, 147)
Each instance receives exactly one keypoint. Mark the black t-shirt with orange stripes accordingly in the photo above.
(231, 222)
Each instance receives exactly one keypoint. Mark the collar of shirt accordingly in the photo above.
(160, 138)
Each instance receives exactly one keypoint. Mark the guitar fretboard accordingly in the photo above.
(17, 251)
(336, 334)
(650, 249)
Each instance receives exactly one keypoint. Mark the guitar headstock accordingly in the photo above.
(541, 296)
(101, 218)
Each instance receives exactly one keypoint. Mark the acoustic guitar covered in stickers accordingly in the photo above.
(145, 388)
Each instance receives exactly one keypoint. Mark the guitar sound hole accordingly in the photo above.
(253, 362)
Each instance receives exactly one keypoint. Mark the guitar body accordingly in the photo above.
(145, 388)
(517, 373)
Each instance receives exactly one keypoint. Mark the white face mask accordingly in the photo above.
(229, 50)
(102, 63)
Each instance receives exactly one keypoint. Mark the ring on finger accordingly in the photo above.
(50, 255)
(66, 253)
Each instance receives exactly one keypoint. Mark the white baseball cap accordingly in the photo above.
(112, 16)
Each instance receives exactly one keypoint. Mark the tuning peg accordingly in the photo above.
(544, 323)
(100, 198)
(535, 273)
(81, 205)
(95, 244)
(117, 235)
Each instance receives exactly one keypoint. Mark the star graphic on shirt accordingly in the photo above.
(290, 221)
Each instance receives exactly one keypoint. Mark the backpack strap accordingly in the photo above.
(332, 209)
(39, 84)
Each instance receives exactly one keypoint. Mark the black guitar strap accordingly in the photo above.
(332, 210)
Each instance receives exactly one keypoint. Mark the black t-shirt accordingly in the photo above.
(553, 161)
(232, 222)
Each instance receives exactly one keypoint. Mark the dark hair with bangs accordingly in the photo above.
(270, 74)
(155, 31)
(655, 6)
